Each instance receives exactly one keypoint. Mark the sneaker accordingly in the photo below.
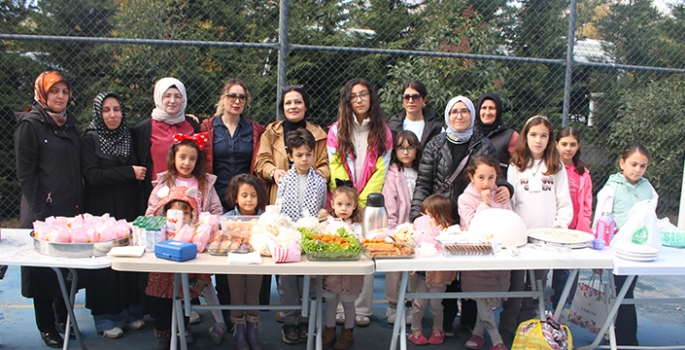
(408, 318)
(448, 329)
(217, 331)
(289, 332)
(278, 316)
(135, 325)
(391, 314)
(113, 333)
(437, 337)
(417, 338)
(362, 321)
(302, 331)
(194, 317)
(475, 342)
(340, 318)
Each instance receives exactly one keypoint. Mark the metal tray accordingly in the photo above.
(77, 250)
(585, 243)
(391, 256)
(562, 245)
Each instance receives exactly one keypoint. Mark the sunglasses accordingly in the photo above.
(414, 97)
(232, 97)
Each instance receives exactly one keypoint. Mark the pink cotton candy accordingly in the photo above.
(63, 235)
(184, 235)
(202, 236)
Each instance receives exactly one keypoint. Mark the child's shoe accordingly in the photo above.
(217, 331)
(328, 338)
(437, 337)
(290, 335)
(475, 342)
(417, 338)
(164, 339)
(346, 339)
(499, 346)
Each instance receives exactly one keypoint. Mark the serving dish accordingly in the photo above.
(380, 249)
(567, 238)
(467, 249)
(334, 255)
(77, 250)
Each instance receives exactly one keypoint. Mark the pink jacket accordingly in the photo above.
(210, 201)
(396, 193)
(470, 203)
(584, 213)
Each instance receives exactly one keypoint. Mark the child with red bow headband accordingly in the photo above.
(186, 166)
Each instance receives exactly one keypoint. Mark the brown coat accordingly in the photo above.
(343, 284)
(271, 154)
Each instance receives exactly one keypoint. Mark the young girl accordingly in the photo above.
(479, 195)
(541, 198)
(398, 191)
(580, 190)
(342, 287)
(247, 195)
(359, 145)
(439, 209)
(617, 197)
(185, 168)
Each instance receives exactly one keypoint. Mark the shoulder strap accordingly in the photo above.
(456, 173)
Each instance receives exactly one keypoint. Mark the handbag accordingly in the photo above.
(590, 304)
(456, 173)
(535, 334)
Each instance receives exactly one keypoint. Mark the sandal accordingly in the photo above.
(217, 331)
(475, 342)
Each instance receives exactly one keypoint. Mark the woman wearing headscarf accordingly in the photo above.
(112, 174)
(153, 137)
(441, 159)
(489, 123)
(47, 150)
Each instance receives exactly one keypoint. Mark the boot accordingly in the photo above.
(346, 339)
(164, 339)
(252, 336)
(239, 334)
(328, 337)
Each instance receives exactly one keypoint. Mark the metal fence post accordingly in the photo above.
(569, 63)
(282, 52)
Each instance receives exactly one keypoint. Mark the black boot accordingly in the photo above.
(52, 339)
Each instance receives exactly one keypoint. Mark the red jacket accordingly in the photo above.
(207, 126)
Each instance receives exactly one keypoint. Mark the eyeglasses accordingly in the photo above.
(177, 97)
(232, 97)
(461, 112)
(364, 96)
(408, 149)
(414, 97)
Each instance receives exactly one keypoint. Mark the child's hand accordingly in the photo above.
(485, 194)
(322, 215)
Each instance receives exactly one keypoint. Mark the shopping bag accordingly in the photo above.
(590, 304)
(535, 334)
(642, 226)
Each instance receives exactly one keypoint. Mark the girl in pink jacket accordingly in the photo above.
(479, 195)
(398, 191)
(580, 189)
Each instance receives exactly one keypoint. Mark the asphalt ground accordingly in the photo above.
(662, 324)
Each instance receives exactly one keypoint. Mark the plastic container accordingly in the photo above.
(175, 251)
(605, 227)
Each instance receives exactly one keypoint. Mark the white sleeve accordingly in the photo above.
(605, 203)
(564, 214)
(512, 178)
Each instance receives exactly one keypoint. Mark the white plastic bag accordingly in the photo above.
(642, 227)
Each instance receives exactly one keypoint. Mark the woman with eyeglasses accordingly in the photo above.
(489, 123)
(272, 161)
(442, 171)
(153, 136)
(359, 149)
(416, 117)
(233, 139)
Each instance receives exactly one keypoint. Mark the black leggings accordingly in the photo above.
(161, 309)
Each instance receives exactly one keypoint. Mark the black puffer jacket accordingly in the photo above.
(437, 166)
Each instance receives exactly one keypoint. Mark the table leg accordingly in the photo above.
(565, 292)
(68, 301)
(400, 320)
(536, 286)
(174, 312)
(610, 316)
(319, 312)
(307, 280)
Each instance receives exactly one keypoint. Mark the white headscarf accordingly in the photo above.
(158, 113)
(455, 136)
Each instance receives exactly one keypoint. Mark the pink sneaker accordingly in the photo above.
(417, 338)
(475, 342)
(437, 337)
(499, 346)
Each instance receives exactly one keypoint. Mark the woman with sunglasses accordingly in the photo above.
(272, 160)
(416, 117)
(233, 139)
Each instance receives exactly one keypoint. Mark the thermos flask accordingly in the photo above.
(374, 216)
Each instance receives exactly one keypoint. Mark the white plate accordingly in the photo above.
(639, 256)
(635, 249)
(631, 258)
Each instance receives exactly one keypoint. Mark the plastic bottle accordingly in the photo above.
(605, 228)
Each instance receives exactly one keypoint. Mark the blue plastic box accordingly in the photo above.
(175, 251)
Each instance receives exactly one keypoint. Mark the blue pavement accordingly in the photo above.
(659, 324)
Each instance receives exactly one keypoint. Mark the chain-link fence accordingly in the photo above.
(624, 83)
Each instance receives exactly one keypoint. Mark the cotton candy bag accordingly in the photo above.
(642, 227)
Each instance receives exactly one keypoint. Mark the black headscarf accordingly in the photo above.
(115, 142)
(486, 130)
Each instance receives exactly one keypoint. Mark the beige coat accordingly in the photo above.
(271, 154)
